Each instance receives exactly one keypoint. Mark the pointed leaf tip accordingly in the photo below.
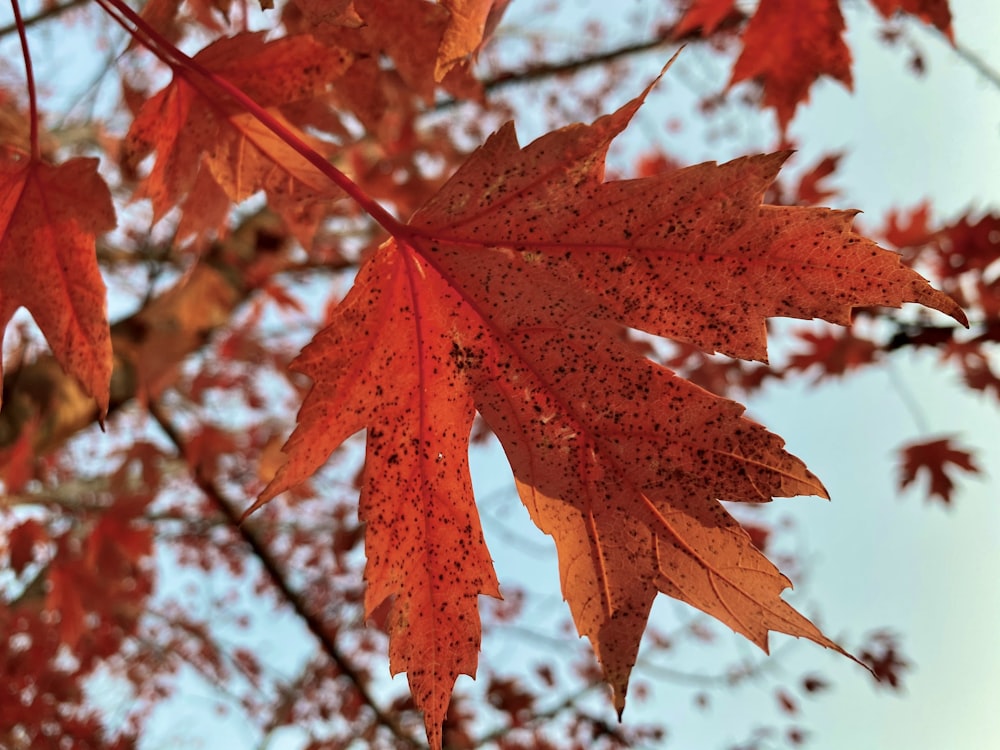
(50, 216)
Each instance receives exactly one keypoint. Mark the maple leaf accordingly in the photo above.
(464, 33)
(883, 657)
(935, 457)
(17, 460)
(835, 352)
(49, 218)
(811, 189)
(165, 16)
(211, 153)
(706, 15)
(403, 51)
(788, 45)
(969, 245)
(505, 294)
(908, 229)
(934, 12)
(21, 542)
(64, 599)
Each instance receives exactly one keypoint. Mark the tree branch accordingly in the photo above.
(977, 63)
(547, 714)
(277, 578)
(534, 73)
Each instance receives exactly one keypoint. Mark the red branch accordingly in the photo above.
(194, 72)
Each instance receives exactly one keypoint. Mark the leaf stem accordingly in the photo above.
(191, 70)
(50, 11)
(29, 74)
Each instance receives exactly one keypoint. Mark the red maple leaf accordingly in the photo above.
(505, 295)
(788, 45)
(811, 191)
(49, 218)
(210, 152)
(934, 12)
(64, 599)
(908, 229)
(463, 34)
(835, 352)
(706, 15)
(430, 44)
(937, 458)
(969, 245)
(21, 542)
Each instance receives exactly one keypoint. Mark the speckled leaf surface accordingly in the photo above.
(504, 295)
(50, 216)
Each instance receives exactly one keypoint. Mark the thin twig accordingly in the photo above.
(906, 396)
(278, 580)
(553, 69)
(977, 63)
(973, 59)
(44, 15)
(545, 715)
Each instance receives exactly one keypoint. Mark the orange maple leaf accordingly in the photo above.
(49, 217)
(934, 457)
(706, 15)
(505, 294)
(463, 35)
(211, 152)
(788, 45)
(21, 542)
(429, 45)
(165, 16)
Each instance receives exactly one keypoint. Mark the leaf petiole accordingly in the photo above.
(29, 75)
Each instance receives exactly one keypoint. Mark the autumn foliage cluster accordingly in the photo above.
(255, 160)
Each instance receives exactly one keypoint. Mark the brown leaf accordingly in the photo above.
(935, 457)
